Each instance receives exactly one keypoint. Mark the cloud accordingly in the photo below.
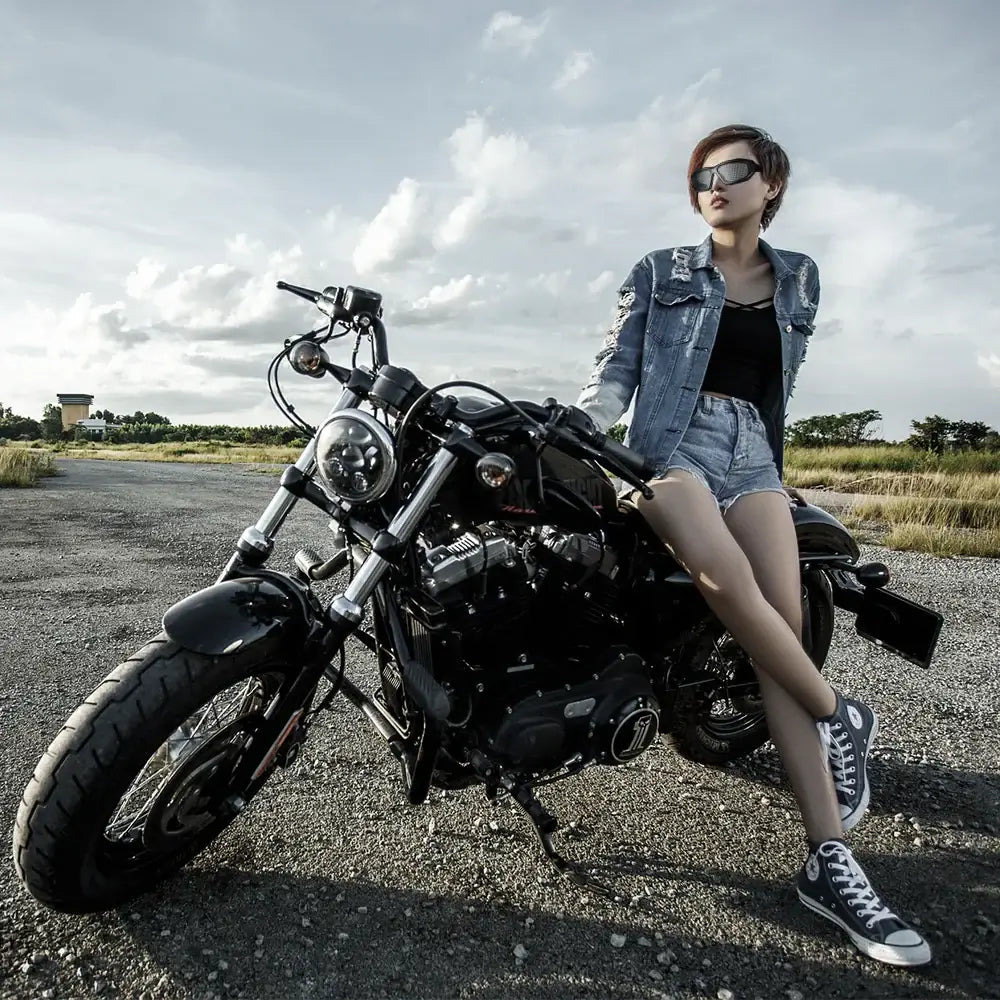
(991, 365)
(443, 302)
(395, 234)
(601, 283)
(496, 169)
(511, 31)
(576, 66)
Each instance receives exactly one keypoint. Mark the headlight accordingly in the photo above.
(355, 457)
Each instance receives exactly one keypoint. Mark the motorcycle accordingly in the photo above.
(525, 621)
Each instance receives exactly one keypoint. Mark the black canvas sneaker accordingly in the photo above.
(833, 885)
(847, 736)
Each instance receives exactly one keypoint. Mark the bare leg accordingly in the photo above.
(762, 525)
(685, 515)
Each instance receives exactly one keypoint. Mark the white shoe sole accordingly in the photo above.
(891, 954)
(854, 817)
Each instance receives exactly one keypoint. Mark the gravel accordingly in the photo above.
(330, 885)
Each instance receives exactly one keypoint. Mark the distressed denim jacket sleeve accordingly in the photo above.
(618, 363)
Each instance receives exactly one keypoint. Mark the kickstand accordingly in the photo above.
(545, 824)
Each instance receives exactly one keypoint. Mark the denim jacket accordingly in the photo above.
(662, 336)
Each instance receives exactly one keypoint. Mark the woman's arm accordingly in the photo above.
(618, 363)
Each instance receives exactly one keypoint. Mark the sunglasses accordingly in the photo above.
(730, 172)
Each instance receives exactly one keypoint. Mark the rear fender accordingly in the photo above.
(270, 615)
(820, 534)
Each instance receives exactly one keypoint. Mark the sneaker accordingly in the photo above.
(847, 736)
(833, 885)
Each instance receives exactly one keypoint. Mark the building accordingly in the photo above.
(75, 407)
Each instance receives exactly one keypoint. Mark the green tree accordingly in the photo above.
(930, 434)
(968, 435)
(5, 412)
(52, 422)
(617, 431)
(832, 430)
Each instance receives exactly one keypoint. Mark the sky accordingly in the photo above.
(494, 172)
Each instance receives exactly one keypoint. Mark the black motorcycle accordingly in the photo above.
(525, 621)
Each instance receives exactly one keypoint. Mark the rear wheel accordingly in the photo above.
(722, 718)
(135, 784)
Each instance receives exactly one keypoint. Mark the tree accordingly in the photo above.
(970, 435)
(52, 422)
(617, 431)
(5, 412)
(832, 430)
(930, 434)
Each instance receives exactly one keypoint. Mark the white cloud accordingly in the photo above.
(395, 232)
(576, 66)
(507, 30)
(601, 283)
(991, 365)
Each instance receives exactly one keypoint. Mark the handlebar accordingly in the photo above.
(640, 466)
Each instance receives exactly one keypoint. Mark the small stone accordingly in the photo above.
(520, 951)
(618, 940)
(48, 994)
(764, 800)
(431, 827)
(644, 942)
(706, 963)
(165, 932)
(343, 936)
(223, 964)
(666, 957)
(258, 940)
(259, 953)
(795, 994)
(37, 957)
(494, 825)
(899, 818)
(918, 842)
(25, 967)
(407, 912)
(212, 976)
(529, 921)
(675, 968)
(99, 985)
(655, 974)
(725, 994)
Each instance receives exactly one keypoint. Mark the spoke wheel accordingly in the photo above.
(139, 779)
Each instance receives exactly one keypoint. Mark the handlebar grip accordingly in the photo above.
(640, 466)
(303, 293)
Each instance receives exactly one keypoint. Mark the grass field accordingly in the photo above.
(20, 467)
(904, 498)
(907, 499)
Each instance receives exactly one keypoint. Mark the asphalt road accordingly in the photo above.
(330, 885)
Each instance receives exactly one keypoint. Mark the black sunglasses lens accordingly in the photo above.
(701, 180)
(735, 171)
(731, 172)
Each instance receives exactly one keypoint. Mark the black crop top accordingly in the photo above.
(747, 352)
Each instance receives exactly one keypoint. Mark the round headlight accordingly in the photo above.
(355, 457)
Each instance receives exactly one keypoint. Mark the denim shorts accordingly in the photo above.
(725, 447)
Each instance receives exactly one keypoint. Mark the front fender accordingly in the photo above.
(235, 615)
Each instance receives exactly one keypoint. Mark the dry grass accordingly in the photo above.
(948, 506)
(224, 452)
(21, 467)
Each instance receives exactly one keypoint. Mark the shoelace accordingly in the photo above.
(836, 748)
(855, 886)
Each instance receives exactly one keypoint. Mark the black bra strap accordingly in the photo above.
(749, 305)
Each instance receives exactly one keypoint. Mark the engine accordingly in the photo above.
(524, 632)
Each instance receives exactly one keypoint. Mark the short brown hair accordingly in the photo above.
(772, 158)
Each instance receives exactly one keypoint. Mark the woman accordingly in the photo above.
(709, 339)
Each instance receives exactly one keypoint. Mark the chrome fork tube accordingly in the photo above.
(258, 539)
(350, 604)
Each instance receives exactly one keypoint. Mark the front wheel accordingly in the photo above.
(722, 718)
(135, 783)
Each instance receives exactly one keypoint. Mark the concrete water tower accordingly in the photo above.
(75, 406)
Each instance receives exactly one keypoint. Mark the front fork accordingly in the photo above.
(342, 615)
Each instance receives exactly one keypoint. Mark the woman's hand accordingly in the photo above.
(795, 496)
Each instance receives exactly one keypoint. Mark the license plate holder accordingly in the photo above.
(900, 625)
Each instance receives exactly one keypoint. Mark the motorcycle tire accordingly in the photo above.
(166, 719)
(705, 736)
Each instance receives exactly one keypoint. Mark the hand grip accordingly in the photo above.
(640, 466)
